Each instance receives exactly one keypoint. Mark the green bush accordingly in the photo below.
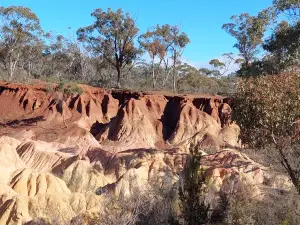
(49, 88)
(69, 88)
(267, 107)
(192, 191)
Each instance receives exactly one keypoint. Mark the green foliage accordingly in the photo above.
(116, 32)
(222, 66)
(60, 86)
(267, 110)
(284, 45)
(194, 81)
(18, 29)
(49, 88)
(164, 44)
(287, 219)
(216, 63)
(267, 106)
(291, 7)
(191, 193)
(248, 31)
(69, 88)
(186, 69)
(154, 43)
(73, 89)
(205, 71)
(178, 41)
(265, 66)
(281, 48)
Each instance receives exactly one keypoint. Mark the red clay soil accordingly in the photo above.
(140, 119)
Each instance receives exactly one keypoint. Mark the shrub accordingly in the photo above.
(69, 88)
(154, 206)
(268, 110)
(73, 89)
(267, 107)
(60, 86)
(49, 88)
(269, 207)
(191, 193)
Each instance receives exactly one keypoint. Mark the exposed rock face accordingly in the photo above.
(230, 164)
(59, 153)
(192, 121)
(66, 185)
(81, 176)
(14, 210)
(137, 123)
(51, 114)
(225, 112)
(129, 119)
(9, 159)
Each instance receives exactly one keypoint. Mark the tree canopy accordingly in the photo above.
(112, 51)
(19, 30)
(112, 36)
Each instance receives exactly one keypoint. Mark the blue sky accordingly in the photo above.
(201, 20)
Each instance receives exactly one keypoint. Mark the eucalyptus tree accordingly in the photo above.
(165, 44)
(284, 46)
(153, 43)
(112, 36)
(224, 65)
(291, 8)
(179, 42)
(32, 57)
(58, 60)
(19, 28)
(174, 42)
(248, 31)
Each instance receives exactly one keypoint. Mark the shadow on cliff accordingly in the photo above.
(24, 122)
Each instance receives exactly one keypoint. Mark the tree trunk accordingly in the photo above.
(29, 69)
(12, 65)
(10, 72)
(110, 75)
(10, 69)
(119, 78)
(153, 76)
(174, 80)
(174, 72)
(247, 61)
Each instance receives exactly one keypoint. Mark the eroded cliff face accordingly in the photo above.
(130, 119)
(59, 153)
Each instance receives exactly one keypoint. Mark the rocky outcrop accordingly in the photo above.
(27, 182)
(57, 184)
(14, 210)
(231, 165)
(9, 159)
(81, 176)
(137, 123)
(42, 156)
(192, 121)
(60, 153)
(158, 123)
(126, 119)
